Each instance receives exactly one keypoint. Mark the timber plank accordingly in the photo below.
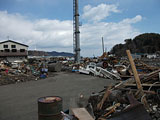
(81, 114)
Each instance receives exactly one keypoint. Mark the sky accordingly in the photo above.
(48, 24)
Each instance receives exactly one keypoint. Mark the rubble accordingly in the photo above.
(122, 100)
(116, 101)
(126, 99)
(55, 67)
(136, 94)
(130, 99)
(17, 72)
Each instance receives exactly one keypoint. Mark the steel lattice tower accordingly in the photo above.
(76, 32)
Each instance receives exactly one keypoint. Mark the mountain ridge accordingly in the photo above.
(53, 53)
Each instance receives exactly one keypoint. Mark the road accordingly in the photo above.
(19, 101)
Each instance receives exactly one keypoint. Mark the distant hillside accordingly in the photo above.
(54, 53)
(37, 53)
(144, 43)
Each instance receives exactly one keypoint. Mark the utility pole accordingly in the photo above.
(76, 32)
(8, 37)
(103, 45)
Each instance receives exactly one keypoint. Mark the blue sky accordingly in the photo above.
(36, 21)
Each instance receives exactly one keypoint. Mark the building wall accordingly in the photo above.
(18, 53)
(10, 53)
(18, 46)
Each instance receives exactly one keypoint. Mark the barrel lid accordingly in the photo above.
(49, 99)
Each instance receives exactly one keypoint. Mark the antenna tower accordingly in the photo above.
(76, 32)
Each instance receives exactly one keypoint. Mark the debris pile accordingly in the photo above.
(110, 67)
(119, 99)
(16, 72)
(137, 98)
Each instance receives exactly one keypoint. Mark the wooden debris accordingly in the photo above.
(143, 85)
(107, 93)
(110, 112)
(138, 82)
(140, 75)
(136, 76)
(81, 114)
(114, 106)
(135, 90)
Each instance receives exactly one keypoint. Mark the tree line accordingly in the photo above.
(143, 43)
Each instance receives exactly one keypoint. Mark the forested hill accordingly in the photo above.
(144, 43)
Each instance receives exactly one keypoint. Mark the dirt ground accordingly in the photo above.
(19, 101)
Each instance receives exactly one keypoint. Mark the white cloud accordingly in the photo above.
(133, 20)
(50, 35)
(113, 33)
(42, 33)
(99, 12)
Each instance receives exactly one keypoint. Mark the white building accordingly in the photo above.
(13, 51)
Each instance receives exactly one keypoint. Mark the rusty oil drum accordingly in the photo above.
(49, 108)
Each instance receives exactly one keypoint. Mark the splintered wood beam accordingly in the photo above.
(106, 95)
(138, 82)
(136, 76)
(143, 85)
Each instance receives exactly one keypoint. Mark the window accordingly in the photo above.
(22, 50)
(14, 50)
(7, 50)
(13, 46)
(5, 46)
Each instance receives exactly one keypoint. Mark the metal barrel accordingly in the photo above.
(49, 108)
